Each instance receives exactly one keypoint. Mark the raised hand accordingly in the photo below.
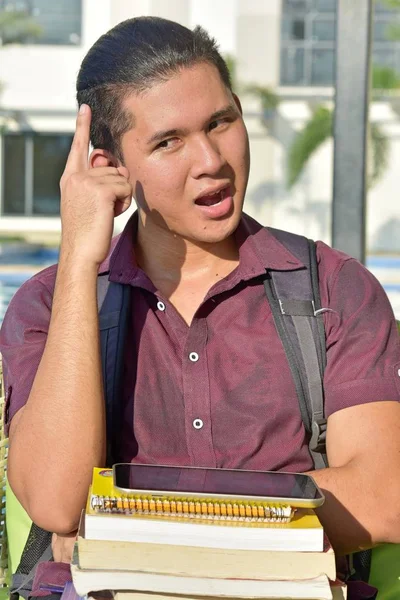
(90, 199)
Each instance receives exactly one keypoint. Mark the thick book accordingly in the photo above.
(93, 580)
(338, 590)
(302, 533)
(203, 562)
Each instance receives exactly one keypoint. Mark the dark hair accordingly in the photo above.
(132, 57)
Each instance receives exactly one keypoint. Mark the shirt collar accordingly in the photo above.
(259, 250)
(258, 242)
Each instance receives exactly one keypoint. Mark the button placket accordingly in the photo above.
(196, 388)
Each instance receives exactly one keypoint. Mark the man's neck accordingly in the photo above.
(173, 262)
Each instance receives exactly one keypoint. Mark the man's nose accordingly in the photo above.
(207, 158)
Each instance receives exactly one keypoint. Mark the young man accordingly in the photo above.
(206, 380)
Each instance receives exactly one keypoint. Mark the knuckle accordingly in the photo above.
(75, 178)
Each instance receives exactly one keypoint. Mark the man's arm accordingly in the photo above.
(57, 438)
(362, 484)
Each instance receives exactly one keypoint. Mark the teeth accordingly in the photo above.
(218, 195)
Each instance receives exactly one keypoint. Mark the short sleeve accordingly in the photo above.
(362, 341)
(23, 337)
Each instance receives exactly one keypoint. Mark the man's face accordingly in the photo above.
(188, 155)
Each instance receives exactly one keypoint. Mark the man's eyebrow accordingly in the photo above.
(163, 134)
(229, 109)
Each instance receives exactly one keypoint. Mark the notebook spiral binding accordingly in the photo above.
(193, 508)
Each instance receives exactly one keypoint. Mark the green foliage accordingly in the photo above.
(6, 239)
(385, 78)
(269, 100)
(379, 154)
(307, 141)
(393, 30)
(318, 130)
(391, 3)
(17, 26)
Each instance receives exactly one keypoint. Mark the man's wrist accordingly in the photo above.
(76, 266)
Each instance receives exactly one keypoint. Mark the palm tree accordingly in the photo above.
(319, 129)
(268, 98)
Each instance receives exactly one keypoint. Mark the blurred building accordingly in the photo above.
(288, 45)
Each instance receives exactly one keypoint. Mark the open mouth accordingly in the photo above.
(213, 199)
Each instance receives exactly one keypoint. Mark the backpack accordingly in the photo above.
(294, 299)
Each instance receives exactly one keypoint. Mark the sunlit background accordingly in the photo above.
(282, 57)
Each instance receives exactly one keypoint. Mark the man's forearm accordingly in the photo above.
(60, 435)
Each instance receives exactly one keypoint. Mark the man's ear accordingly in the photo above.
(238, 103)
(102, 158)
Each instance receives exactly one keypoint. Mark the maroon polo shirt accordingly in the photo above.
(219, 392)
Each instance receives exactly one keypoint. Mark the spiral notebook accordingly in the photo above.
(112, 515)
(105, 498)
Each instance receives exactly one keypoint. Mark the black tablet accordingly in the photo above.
(294, 489)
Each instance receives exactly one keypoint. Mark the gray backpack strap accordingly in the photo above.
(37, 549)
(103, 284)
(295, 303)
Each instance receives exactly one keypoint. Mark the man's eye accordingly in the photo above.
(166, 143)
(218, 123)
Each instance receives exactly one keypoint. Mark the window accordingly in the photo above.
(49, 157)
(322, 66)
(308, 59)
(386, 46)
(323, 30)
(293, 29)
(32, 167)
(325, 5)
(14, 180)
(59, 21)
(292, 66)
(308, 41)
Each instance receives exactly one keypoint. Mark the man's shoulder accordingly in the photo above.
(47, 276)
(332, 262)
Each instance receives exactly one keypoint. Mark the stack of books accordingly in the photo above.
(157, 555)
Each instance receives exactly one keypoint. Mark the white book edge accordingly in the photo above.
(250, 538)
(86, 581)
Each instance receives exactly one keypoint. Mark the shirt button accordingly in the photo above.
(398, 372)
(193, 356)
(160, 305)
(198, 423)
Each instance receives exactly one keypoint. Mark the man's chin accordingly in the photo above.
(215, 232)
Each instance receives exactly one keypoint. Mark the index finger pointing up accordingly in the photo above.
(78, 155)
